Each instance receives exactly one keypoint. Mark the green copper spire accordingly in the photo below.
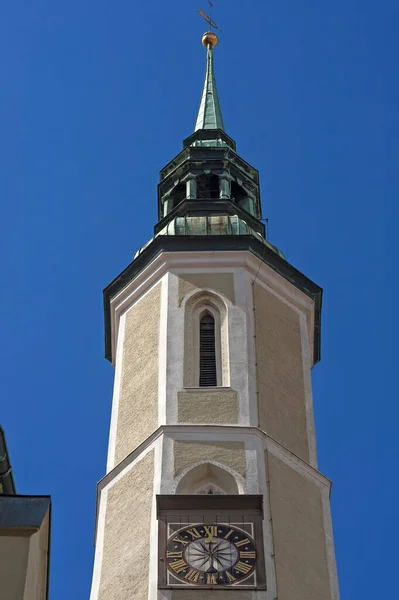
(209, 114)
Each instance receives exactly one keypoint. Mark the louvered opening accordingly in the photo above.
(207, 352)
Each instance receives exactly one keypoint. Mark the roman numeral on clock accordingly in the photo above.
(242, 567)
(195, 533)
(174, 554)
(244, 554)
(243, 542)
(180, 541)
(179, 565)
(192, 575)
(211, 531)
(211, 578)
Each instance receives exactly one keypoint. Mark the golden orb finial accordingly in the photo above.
(209, 39)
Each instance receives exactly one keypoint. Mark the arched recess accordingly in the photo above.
(208, 478)
(207, 186)
(195, 307)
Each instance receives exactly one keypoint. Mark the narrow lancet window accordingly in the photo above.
(207, 353)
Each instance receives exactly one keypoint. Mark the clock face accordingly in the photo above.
(214, 554)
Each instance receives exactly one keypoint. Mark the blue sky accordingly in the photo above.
(96, 99)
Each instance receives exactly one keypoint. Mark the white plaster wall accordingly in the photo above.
(245, 268)
(240, 344)
(256, 443)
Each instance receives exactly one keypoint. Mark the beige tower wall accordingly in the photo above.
(138, 399)
(229, 454)
(264, 403)
(14, 555)
(220, 282)
(24, 549)
(281, 386)
(125, 559)
(302, 568)
(208, 407)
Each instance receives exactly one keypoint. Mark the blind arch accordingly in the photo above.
(197, 478)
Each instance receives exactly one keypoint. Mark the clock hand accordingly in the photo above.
(217, 545)
(204, 547)
(218, 560)
(203, 562)
(201, 557)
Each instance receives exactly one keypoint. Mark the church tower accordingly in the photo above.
(212, 489)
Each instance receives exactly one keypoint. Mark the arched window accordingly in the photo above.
(206, 341)
(207, 186)
(207, 352)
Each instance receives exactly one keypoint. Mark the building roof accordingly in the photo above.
(23, 512)
(209, 114)
(25, 535)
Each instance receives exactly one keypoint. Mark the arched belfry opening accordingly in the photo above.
(177, 194)
(208, 479)
(238, 193)
(207, 186)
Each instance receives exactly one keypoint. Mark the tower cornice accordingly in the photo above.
(225, 431)
(167, 252)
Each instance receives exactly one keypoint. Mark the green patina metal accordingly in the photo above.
(209, 114)
(209, 200)
(209, 225)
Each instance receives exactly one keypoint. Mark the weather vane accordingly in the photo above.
(208, 18)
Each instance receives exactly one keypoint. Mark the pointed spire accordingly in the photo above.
(209, 114)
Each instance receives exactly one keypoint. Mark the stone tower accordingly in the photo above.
(212, 488)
